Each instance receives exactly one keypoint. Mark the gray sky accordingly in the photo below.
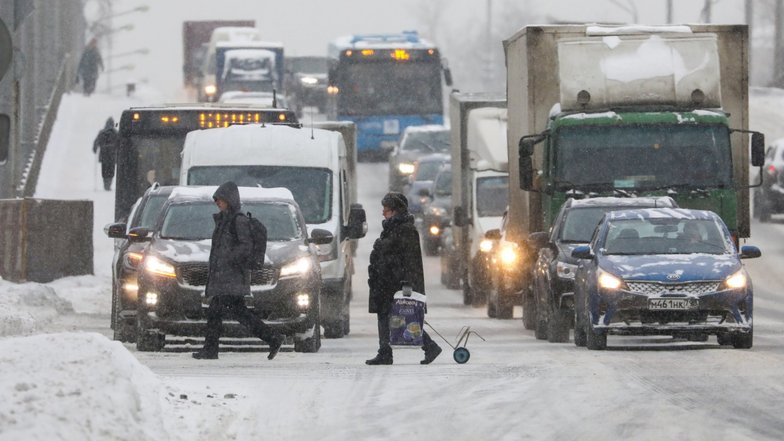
(305, 26)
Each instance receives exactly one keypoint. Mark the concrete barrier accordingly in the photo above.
(42, 240)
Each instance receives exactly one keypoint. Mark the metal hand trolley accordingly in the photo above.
(460, 354)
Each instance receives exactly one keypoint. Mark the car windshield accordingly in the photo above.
(641, 157)
(666, 236)
(150, 211)
(194, 221)
(443, 184)
(491, 195)
(427, 171)
(579, 224)
(311, 187)
(433, 141)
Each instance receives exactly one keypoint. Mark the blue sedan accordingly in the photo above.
(663, 271)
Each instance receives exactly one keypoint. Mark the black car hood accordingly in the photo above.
(278, 253)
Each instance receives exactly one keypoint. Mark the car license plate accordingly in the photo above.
(672, 303)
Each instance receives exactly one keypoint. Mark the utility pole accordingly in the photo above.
(749, 12)
(777, 46)
(669, 11)
(487, 74)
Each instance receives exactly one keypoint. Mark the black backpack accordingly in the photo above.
(258, 236)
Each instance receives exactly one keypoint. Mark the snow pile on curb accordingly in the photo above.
(87, 294)
(77, 386)
(25, 307)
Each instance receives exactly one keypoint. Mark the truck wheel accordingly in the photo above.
(558, 326)
(595, 341)
(743, 341)
(529, 310)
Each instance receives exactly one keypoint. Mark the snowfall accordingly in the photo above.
(63, 378)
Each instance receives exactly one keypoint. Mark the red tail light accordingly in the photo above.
(772, 170)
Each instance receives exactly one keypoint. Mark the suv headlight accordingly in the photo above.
(565, 270)
(132, 260)
(735, 281)
(406, 168)
(296, 268)
(158, 267)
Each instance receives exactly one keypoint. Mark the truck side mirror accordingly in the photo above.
(357, 222)
(757, 149)
(448, 76)
(526, 166)
(459, 217)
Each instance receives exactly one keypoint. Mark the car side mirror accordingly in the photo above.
(749, 252)
(115, 231)
(357, 222)
(538, 240)
(139, 234)
(757, 149)
(320, 237)
(494, 234)
(582, 252)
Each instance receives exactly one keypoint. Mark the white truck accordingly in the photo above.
(626, 110)
(479, 190)
(315, 165)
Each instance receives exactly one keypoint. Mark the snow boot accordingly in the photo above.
(205, 355)
(383, 357)
(274, 346)
(431, 352)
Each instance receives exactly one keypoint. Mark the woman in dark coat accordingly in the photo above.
(228, 279)
(396, 257)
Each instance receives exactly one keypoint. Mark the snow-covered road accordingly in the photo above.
(514, 387)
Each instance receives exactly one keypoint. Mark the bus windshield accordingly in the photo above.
(390, 88)
(157, 159)
(491, 195)
(643, 157)
(311, 187)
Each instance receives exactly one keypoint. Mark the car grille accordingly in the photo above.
(652, 288)
(195, 274)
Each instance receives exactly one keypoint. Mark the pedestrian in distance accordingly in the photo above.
(228, 277)
(105, 145)
(89, 64)
(396, 258)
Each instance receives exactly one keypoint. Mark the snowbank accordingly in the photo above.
(77, 386)
(26, 307)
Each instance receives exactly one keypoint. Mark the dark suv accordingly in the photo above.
(127, 256)
(285, 293)
(553, 278)
(769, 198)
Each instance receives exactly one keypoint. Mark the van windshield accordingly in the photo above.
(311, 187)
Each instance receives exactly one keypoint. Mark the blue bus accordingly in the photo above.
(384, 83)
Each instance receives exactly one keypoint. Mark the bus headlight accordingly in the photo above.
(210, 89)
(405, 168)
(296, 268)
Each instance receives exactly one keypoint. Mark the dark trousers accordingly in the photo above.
(384, 347)
(233, 306)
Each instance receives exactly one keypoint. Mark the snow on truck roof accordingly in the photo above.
(486, 139)
(263, 144)
(250, 54)
(199, 193)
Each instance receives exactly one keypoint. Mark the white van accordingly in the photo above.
(314, 165)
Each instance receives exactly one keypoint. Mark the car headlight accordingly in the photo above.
(508, 254)
(735, 281)
(303, 300)
(405, 168)
(565, 270)
(609, 281)
(309, 80)
(210, 89)
(132, 260)
(296, 268)
(158, 267)
(486, 245)
(434, 230)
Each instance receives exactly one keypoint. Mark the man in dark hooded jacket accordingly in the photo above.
(396, 257)
(106, 142)
(88, 67)
(228, 279)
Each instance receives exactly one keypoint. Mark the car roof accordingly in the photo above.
(662, 213)
(204, 193)
(653, 201)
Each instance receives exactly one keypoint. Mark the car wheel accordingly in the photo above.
(529, 310)
(479, 286)
(150, 341)
(333, 329)
(540, 331)
(596, 341)
(347, 319)
(743, 340)
(311, 344)
(113, 318)
(558, 326)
